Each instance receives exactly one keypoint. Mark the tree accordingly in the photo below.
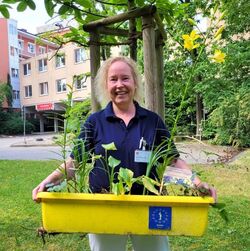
(6, 93)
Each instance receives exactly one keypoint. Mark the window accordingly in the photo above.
(15, 94)
(12, 29)
(20, 45)
(31, 48)
(28, 91)
(61, 85)
(43, 88)
(80, 82)
(60, 60)
(42, 50)
(14, 73)
(42, 64)
(80, 55)
(12, 51)
(26, 69)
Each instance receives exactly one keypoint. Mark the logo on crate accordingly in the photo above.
(160, 218)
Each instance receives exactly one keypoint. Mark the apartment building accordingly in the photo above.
(16, 45)
(9, 63)
(44, 79)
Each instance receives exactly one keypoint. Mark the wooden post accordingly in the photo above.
(160, 75)
(150, 69)
(94, 66)
(132, 32)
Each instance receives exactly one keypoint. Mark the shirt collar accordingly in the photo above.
(109, 112)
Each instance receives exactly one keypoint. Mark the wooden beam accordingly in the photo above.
(118, 32)
(137, 12)
(113, 31)
(111, 44)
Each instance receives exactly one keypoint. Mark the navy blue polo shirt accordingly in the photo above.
(103, 127)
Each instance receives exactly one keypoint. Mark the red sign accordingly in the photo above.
(45, 107)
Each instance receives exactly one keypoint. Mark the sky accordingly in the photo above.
(30, 19)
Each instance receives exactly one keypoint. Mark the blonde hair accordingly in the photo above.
(101, 92)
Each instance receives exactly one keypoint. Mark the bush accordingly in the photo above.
(12, 123)
(229, 123)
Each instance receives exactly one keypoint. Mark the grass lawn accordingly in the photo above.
(20, 216)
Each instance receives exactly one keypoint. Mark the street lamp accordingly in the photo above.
(24, 124)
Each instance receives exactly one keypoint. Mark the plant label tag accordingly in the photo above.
(160, 218)
(142, 156)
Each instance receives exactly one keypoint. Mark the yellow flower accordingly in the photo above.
(189, 40)
(218, 57)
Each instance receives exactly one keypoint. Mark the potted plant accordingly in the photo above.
(170, 211)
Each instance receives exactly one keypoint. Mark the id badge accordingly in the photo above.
(142, 156)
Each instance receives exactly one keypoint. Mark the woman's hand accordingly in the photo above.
(40, 188)
(205, 189)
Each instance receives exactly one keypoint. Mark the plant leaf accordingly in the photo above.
(4, 11)
(21, 6)
(63, 9)
(113, 162)
(49, 7)
(192, 22)
(85, 3)
(149, 184)
(31, 4)
(109, 147)
(222, 211)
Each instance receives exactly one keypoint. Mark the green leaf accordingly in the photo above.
(74, 31)
(149, 184)
(31, 4)
(140, 2)
(78, 16)
(22, 6)
(9, 1)
(113, 162)
(126, 175)
(85, 3)
(115, 188)
(222, 211)
(192, 22)
(49, 7)
(63, 9)
(4, 11)
(109, 147)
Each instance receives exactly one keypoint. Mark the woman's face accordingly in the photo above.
(120, 83)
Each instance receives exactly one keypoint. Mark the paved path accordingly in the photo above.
(28, 148)
(41, 147)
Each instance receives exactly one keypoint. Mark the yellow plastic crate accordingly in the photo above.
(124, 214)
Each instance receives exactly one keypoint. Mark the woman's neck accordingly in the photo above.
(126, 113)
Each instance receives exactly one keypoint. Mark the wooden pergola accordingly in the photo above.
(153, 36)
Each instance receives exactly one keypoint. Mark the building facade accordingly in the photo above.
(44, 81)
(9, 63)
(16, 45)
